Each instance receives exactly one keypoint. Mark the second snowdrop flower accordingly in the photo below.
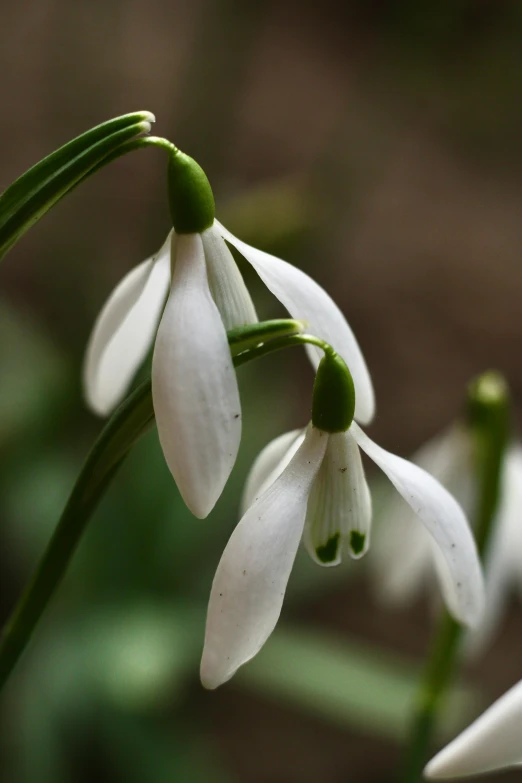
(194, 290)
(313, 484)
(401, 570)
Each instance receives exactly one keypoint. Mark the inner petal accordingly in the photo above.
(339, 508)
(226, 284)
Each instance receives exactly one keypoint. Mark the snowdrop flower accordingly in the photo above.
(193, 289)
(311, 485)
(492, 742)
(402, 569)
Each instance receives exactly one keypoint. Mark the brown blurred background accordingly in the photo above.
(377, 146)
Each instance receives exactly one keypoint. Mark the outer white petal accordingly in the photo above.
(306, 300)
(462, 585)
(250, 582)
(269, 464)
(339, 507)
(493, 741)
(124, 331)
(194, 386)
(400, 570)
(226, 283)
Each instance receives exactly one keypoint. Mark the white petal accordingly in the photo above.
(226, 283)
(339, 508)
(250, 582)
(493, 741)
(124, 331)
(270, 463)
(306, 300)
(504, 554)
(194, 386)
(462, 585)
(401, 571)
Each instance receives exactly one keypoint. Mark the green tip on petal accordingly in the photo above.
(328, 552)
(357, 541)
(333, 404)
(191, 200)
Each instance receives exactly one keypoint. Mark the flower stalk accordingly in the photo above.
(487, 413)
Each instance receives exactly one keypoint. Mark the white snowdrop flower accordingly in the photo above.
(493, 741)
(311, 486)
(193, 289)
(404, 560)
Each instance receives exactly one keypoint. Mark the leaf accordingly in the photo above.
(38, 189)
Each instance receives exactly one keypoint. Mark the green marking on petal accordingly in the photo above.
(328, 552)
(357, 542)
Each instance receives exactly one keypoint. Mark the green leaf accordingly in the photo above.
(345, 683)
(38, 189)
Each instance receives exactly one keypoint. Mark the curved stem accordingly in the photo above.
(130, 421)
(278, 344)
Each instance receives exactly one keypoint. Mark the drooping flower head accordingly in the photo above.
(193, 289)
(311, 485)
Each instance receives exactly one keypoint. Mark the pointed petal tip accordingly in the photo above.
(209, 682)
(95, 405)
(435, 770)
(210, 674)
(197, 508)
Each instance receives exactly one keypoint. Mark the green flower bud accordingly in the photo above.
(487, 405)
(333, 402)
(191, 200)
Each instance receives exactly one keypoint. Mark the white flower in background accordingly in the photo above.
(493, 741)
(312, 485)
(193, 289)
(404, 559)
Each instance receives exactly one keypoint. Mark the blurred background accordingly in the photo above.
(377, 146)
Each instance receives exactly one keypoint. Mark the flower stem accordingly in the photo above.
(130, 421)
(488, 421)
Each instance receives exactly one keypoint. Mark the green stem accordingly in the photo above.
(130, 421)
(488, 420)
(437, 676)
(277, 344)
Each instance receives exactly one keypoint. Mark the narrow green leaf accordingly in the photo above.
(33, 194)
(33, 178)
